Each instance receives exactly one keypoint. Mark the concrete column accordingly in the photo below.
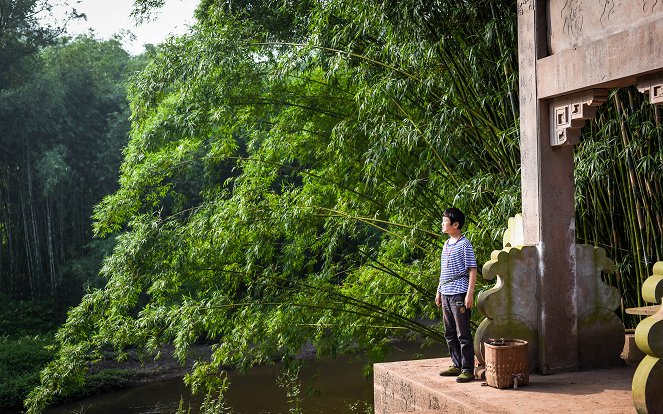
(548, 201)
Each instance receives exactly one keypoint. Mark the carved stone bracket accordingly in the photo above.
(570, 112)
(653, 86)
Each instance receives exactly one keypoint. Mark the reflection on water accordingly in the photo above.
(328, 386)
(154, 398)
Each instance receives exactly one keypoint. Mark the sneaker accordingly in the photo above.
(451, 372)
(465, 376)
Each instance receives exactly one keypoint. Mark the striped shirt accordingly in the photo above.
(456, 259)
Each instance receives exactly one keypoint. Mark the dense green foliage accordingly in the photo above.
(21, 359)
(21, 35)
(26, 329)
(19, 318)
(287, 172)
(64, 123)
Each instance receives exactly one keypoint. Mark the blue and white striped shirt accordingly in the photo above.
(457, 258)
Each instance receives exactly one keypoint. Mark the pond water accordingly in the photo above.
(328, 386)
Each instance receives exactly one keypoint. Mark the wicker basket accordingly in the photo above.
(506, 363)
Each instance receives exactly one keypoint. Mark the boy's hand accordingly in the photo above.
(469, 300)
(438, 299)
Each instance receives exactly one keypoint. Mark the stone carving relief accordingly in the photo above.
(569, 114)
(511, 305)
(600, 331)
(653, 87)
(514, 235)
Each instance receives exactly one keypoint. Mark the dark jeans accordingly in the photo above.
(457, 331)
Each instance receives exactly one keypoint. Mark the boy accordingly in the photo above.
(455, 294)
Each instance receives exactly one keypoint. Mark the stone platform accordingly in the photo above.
(415, 386)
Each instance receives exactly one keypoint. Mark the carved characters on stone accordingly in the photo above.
(609, 9)
(570, 112)
(525, 6)
(648, 378)
(649, 6)
(572, 17)
(577, 23)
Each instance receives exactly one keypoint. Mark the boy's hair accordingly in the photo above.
(455, 216)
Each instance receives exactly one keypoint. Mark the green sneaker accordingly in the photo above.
(451, 372)
(465, 376)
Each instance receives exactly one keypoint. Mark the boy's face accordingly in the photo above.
(447, 226)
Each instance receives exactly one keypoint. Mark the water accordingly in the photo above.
(328, 386)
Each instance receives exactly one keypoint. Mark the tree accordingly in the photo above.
(22, 35)
(64, 126)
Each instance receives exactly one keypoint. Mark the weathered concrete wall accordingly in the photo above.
(574, 23)
(610, 62)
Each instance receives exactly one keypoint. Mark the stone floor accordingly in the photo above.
(415, 386)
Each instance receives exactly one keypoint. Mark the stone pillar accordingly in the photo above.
(548, 201)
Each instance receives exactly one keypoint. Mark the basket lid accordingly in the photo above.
(505, 342)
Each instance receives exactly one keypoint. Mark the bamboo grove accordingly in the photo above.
(618, 190)
(288, 166)
(63, 122)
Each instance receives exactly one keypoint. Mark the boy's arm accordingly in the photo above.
(469, 297)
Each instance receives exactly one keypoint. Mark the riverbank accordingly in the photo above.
(22, 358)
(137, 372)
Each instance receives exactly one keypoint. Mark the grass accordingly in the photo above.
(21, 359)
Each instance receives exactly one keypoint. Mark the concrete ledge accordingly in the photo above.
(415, 386)
(605, 63)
